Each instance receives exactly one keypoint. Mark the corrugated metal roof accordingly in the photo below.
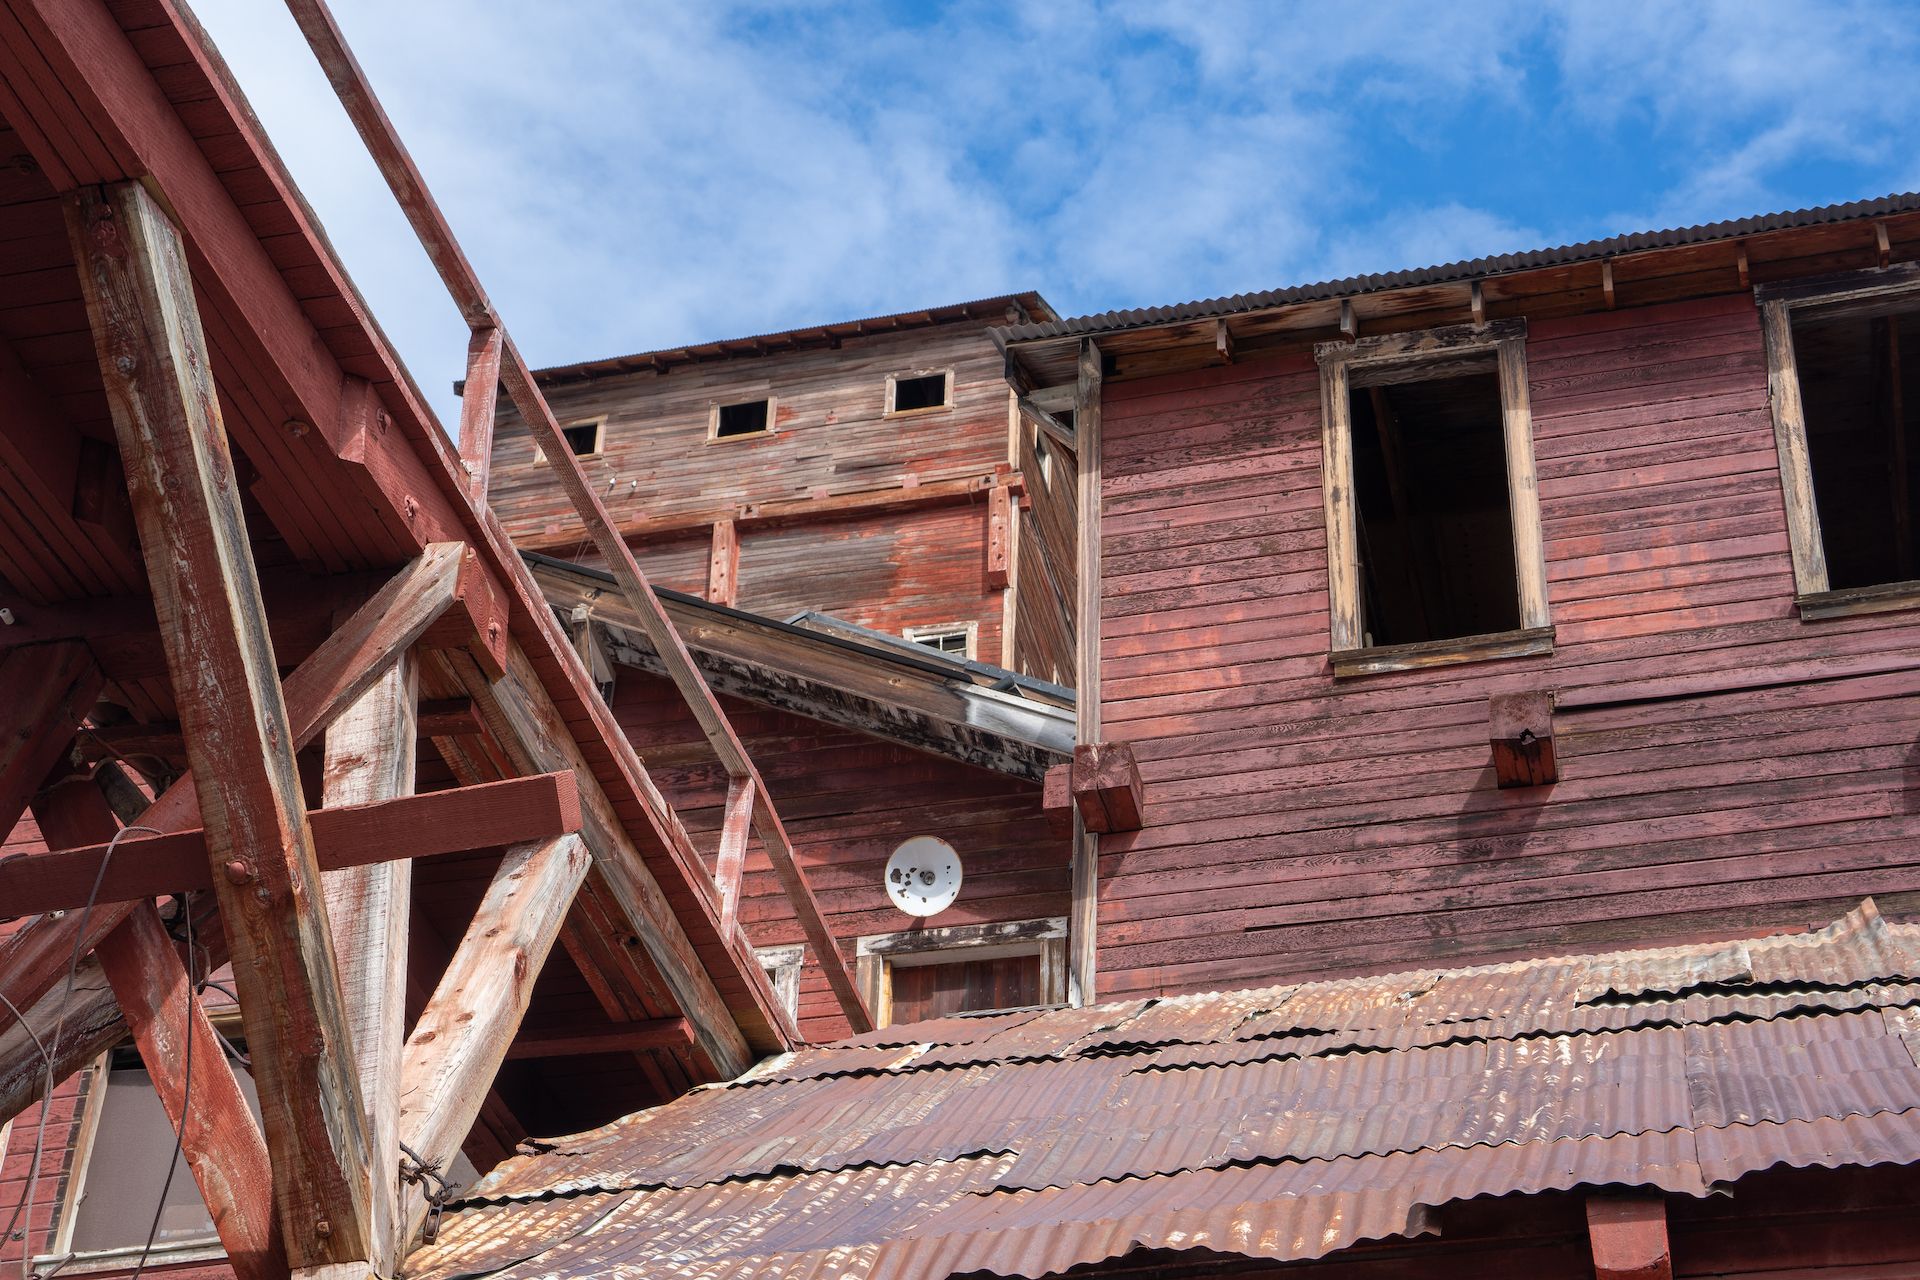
(1284, 1123)
(1470, 269)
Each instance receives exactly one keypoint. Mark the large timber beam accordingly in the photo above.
(371, 755)
(462, 1035)
(35, 958)
(348, 839)
(1083, 948)
(157, 373)
(45, 693)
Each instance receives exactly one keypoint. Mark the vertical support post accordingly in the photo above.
(723, 564)
(1346, 624)
(1529, 548)
(478, 400)
(371, 752)
(159, 385)
(1790, 441)
(1084, 920)
(727, 868)
(999, 537)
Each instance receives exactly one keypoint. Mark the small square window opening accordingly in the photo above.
(748, 418)
(954, 638)
(584, 438)
(923, 391)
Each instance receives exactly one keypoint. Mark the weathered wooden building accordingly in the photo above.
(1494, 703)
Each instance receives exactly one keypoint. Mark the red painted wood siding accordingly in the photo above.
(1301, 825)
(848, 800)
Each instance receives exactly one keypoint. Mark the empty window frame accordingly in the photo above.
(979, 968)
(1843, 377)
(586, 439)
(955, 638)
(919, 392)
(740, 419)
(782, 967)
(1433, 522)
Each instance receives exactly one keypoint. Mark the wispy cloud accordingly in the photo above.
(633, 175)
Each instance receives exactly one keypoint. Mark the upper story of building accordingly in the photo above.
(1630, 523)
(870, 470)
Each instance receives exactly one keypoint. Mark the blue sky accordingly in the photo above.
(636, 175)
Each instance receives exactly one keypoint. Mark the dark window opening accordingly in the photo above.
(924, 991)
(1434, 517)
(1065, 418)
(945, 641)
(926, 392)
(1860, 387)
(746, 419)
(583, 438)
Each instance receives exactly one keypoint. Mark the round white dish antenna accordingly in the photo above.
(923, 876)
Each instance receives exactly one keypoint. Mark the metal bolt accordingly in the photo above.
(239, 871)
(323, 1228)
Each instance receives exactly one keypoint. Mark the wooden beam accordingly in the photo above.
(1523, 487)
(1348, 324)
(1107, 791)
(45, 693)
(1629, 1237)
(219, 1139)
(378, 833)
(158, 378)
(479, 397)
(1477, 304)
(1056, 801)
(999, 538)
(1790, 442)
(623, 1037)
(1606, 281)
(461, 1038)
(1084, 913)
(732, 859)
(371, 756)
(1520, 728)
(723, 564)
(1223, 341)
(34, 958)
(440, 718)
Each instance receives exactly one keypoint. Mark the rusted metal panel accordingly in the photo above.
(1285, 1123)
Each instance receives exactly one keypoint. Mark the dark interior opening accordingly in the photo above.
(1435, 522)
(924, 991)
(748, 418)
(1857, 383)
(926, 392)
(583, 439)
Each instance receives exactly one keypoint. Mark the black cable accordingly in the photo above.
(47, 1057)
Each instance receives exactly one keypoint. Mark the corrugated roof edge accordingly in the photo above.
(1029, 300)
(1564, 255)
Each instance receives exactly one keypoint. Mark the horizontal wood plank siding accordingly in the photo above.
(1299, 825)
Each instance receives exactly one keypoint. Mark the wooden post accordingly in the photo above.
(370, 755)
(158, 379)
(1084, 920)
(1790, 440)
(461, 1039)
(219, 1140)
(478, 400)
(1629, 1238)
(1346, 621)
(1529, 547)
(732, 859)
(999, 537)
(723, 564)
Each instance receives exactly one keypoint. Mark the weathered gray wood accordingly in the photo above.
(1790, 440)
(371, 752)
(731, 861)
(1523, 489)
(1083, 929)
(158, 378)
(478, 397)
(1347, 625)
(461, 1038)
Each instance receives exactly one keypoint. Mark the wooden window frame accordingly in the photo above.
(877, 954)
(599, 425)
(893, 380)
(783, 966)
(972, 629)
(713, 420)
(1415, 357)
(1875, 291)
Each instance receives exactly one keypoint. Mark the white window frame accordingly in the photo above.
(946, 402)
(876, 955)
(921, 634)
(783, 973)
(1874, 292)
(713, 420)
(1412, 357)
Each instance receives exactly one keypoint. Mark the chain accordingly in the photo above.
(414, 1170)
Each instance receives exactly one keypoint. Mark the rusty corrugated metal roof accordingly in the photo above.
(1470, 269)
(1283, 1123)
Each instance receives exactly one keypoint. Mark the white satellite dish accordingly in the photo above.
(923, 876)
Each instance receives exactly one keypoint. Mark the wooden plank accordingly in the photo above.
(999, 537)
(732, 859)
(1790, 438)
(1523, 490)
(1107, 790)
(626, 1037)
(461, 1037)
(1520, 728)
(1084, 914)
(371, 756)
(46, 692)
(374, 834)
(1347, 623)
(723, 564)
(478, 398)
(157, 372)
(219, 1139)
